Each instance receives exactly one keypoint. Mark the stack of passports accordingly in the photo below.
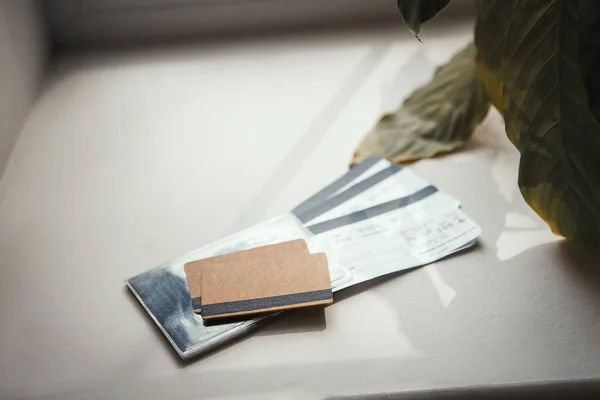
(264, 279)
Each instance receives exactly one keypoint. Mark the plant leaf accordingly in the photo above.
(437, 118)
(589, 34)
(493, 16)
(416, 12)
(547, 115)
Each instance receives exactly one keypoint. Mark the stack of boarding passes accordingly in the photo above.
(376, 219)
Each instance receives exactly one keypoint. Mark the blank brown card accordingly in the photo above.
(261, 284)
(193, 269)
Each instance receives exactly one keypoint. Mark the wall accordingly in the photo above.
(85, 23)
(22, 61)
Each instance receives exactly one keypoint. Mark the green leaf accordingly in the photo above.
(437, 118)
(547, 113)
(417, 12)
(493, 16)
(589, 34)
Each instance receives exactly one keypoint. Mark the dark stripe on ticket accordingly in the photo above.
(349, 193)
(324, 193)
(372, 211)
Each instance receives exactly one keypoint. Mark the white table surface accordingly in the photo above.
(131, 158)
